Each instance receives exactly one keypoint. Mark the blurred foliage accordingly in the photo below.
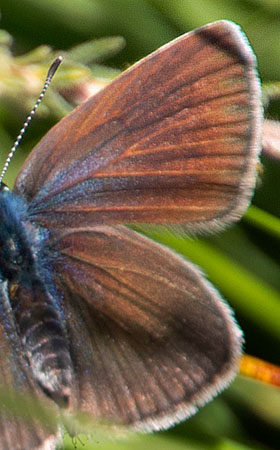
(243, 261)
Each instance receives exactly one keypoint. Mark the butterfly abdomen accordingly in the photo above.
(43, 337)
(32, 307)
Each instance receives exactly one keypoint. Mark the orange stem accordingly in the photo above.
(260, 370)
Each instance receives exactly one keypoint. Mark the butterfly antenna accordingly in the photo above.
(53, 68)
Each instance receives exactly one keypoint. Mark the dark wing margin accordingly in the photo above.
(175, 139)
(151, 340)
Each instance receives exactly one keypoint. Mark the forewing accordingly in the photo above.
(174, 139)
(151, 339)
(23, 406)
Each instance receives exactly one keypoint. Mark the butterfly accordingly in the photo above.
(96, 317)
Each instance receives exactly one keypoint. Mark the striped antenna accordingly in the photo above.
(53, 68)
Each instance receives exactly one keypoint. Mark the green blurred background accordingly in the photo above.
(242, 262)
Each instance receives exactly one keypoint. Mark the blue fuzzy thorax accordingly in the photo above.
(19, 240)
(25, 251)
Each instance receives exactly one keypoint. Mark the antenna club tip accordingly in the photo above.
(54, 66)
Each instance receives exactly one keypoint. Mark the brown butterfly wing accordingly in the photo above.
(23, 423)
(151, 339)
(174, 139)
